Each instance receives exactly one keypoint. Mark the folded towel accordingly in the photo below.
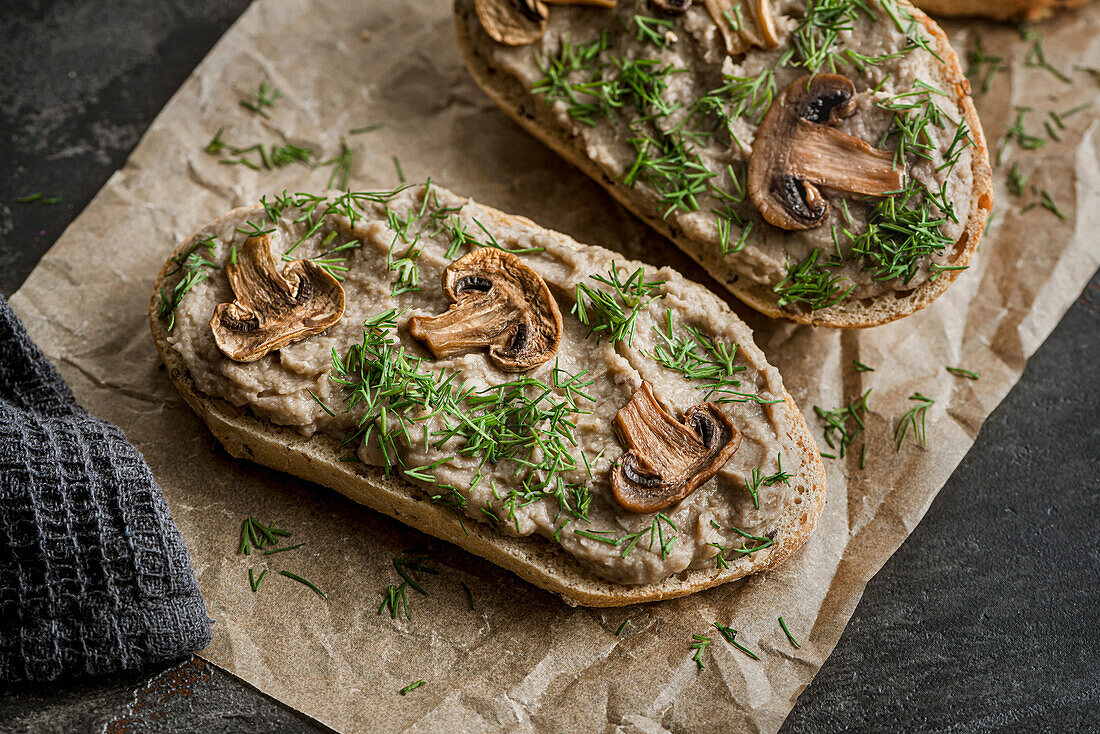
(94, 576)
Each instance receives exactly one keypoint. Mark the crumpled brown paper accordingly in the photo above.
(521, 659)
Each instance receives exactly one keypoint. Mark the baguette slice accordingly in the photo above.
(1016, 11)
(533, 558)
(538, 119)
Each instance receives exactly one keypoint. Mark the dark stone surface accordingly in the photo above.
(984, 620)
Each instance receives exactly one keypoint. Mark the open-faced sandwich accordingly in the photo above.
(821, 158)
(1013, 10)
(606, 431)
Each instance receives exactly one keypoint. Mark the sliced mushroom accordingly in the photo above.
(755, 26)
(520, 22)
(273, 309)
(512, 22)
(667, 460)
(797, 148)
(499, 303)
(672, 7)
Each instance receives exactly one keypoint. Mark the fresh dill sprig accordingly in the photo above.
(304, 582)
(811, 284)
(656, 532)
(654, 30)
(837, 428)
(1017, 181)
(758, 543)
(788, 633)
(902, 231)
(254, 581)
(613, 313)
(195, 268)
(816, 36)
(341, 166)
(730, 635)
(394, 600)
(283, 548)
(914, 419)
(411, 687)
(981, 67)
(410, 569)
(960, 372)
(701, 358)
(670, 165)
(265, 97)
(1018, 132)
(1036, 55)
(700, 643)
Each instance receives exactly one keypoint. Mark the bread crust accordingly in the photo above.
(1017, 11)
(532, 558)
(537, 119)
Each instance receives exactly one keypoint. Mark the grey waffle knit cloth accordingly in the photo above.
(94, 576)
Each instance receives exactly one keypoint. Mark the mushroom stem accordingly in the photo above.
(458, 330)
(499, 303)
(829, 157)
(666, 459)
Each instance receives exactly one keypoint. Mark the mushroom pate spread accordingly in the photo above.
(528, 448)
(674, 104)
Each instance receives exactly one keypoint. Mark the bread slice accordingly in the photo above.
(533, 558)
(1016, 11)
(535, 117)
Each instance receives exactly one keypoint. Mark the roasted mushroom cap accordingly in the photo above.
(667, 460)
(520, 22)
(499, 303)
(755, 26)
(273, 309)
(798, 148)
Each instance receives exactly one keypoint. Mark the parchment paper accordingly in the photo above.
(522, 660)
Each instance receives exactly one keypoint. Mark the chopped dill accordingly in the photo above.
(811, 284)
(730, 635)
(860, 367)
(195, 268)
(699, 644)
(254, 581)
(304, 582)
(613, 313)
(749, 544)
(914, 420)
(1017, 131)
(654, 30)
(788, 633)
(394, 600)
(960, 372)
(838, 431)
(411, 687)
(656, 532)
(981, 68)
(265, 97)
(341, 166)
(619, 632)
